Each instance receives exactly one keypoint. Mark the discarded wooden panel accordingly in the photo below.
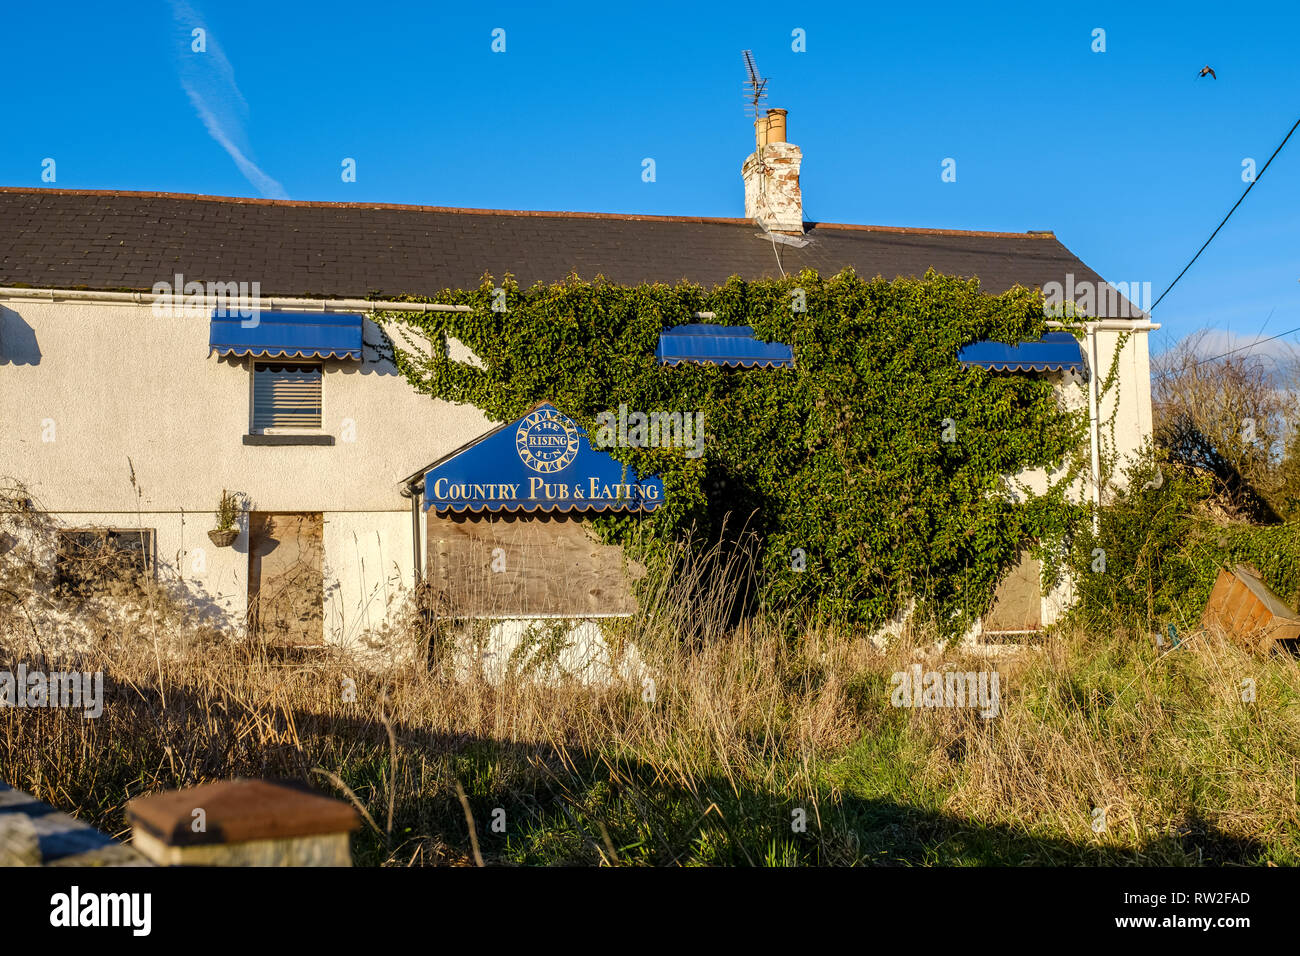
(544, 564)
(33, 833)
(243, 823)
(1242, 606)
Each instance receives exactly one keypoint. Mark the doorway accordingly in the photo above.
(286, 582)
(1018, 602)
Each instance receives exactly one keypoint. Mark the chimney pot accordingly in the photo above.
(776, 126)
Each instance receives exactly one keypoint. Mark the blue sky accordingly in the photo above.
(1127, 155)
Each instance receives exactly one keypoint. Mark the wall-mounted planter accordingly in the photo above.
(224, 539)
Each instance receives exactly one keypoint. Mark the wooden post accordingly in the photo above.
(242, 823)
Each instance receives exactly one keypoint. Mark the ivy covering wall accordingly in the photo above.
(876, 470)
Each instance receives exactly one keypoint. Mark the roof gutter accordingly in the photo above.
(268, 304)
(271, 304)
(1107, 325)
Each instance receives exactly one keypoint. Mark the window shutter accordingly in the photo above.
(286, 396)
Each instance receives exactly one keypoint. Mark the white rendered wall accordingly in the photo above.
(94, 395)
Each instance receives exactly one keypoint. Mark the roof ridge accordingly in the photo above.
(924, 231)
(410, 207)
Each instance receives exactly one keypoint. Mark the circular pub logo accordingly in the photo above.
(547, 441)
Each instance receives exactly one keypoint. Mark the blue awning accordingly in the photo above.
(1055, 352)
(287, 335)
(541, 462)
(720, 345)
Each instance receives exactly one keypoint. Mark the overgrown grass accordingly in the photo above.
(743, 735)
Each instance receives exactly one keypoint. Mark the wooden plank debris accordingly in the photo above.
(1243, 607)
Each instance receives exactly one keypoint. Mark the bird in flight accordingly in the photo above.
(1206, 70)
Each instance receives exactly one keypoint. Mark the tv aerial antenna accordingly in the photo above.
(755, 87)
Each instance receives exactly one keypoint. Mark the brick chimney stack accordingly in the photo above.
(771, 174)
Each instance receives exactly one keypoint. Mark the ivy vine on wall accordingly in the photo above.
(874, 471)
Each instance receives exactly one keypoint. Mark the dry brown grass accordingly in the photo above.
(746, 728)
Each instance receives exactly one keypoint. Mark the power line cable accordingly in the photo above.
(1258, 177)
(1241, 348)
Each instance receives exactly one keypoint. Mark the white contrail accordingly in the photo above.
(267, 186)
(209, 81)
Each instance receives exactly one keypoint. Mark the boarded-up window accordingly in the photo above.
(92, 560)
(286, 396)
(1018, 602)
(517, 565)
(286, 583)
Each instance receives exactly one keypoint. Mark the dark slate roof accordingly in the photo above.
(73, 239)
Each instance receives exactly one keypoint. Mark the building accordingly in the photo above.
(128, 409)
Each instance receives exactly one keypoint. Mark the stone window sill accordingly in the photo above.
(288, 439)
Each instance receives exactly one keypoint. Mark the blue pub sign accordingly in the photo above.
(542, 462)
